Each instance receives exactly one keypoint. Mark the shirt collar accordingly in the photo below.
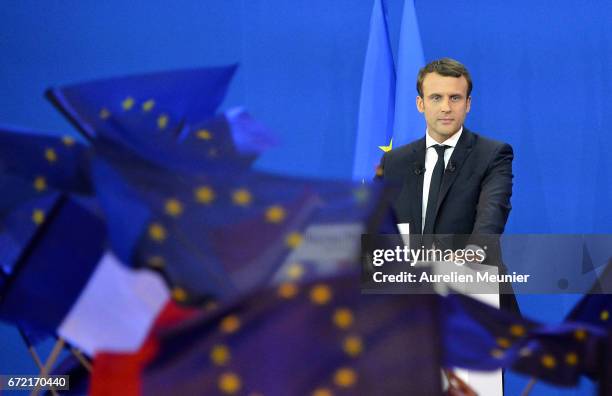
(451, 141)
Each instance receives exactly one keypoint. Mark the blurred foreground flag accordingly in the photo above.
(332, 237)
(45, 162)
(34, 169)
(580, 346)
(167, 118)
(318, 338)
(116, 308)
(480, 337)
(22, 213)
(595, 308)
(146, 104)
(232, 136)
(211, 235)
(562, 354)
(66, 283)
(218, 233)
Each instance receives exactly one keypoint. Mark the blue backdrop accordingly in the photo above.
(541, 72)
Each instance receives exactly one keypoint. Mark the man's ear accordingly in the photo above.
(468, 104)
(420, 104)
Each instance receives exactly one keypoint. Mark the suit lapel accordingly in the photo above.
(418, 172)
(460, 153)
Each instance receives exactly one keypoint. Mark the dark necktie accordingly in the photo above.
(434, 189)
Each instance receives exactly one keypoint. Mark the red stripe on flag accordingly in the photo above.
(120, 373)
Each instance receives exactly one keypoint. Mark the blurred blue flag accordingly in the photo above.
(478, 336)
(143, 217)
(202, 231)
(562, 354)
(145, 105)
(35, 168)
(55, 266)
(178, 197)
(316, 338)
(167, 118)
(595, 307)
(45, 161)
(219, 232)
(234, 135)
(21, 222)
(580, 344)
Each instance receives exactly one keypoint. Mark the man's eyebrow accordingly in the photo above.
(449, 94)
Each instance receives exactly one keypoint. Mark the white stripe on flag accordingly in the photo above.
(116, 309)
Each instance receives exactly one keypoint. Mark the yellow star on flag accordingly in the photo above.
(162, 121)
(127, 103)
(148, 105)
(38, 216)
(387, 148)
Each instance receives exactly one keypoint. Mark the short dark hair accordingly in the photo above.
(445, 67)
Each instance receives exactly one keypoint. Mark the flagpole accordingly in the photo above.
(81, 358)
(31, 349)
(57, 349)
(529, 386)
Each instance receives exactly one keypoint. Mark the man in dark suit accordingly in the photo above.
(452, 181)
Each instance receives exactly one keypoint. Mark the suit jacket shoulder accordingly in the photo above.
(405, 159)
(487, 145)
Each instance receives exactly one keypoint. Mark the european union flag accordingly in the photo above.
(377, 100)
(480, 337)
(232, 136)
(54, 267)
(166, 118)
(143, 105)
(145, 113)
(198, 229)
(47, 162)
(219, 232)
(20, 222)
(477, 336)
(595, 308)
(35, 169)
(316, 338)
(561, 354)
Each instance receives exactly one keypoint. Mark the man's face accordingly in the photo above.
(444, 103)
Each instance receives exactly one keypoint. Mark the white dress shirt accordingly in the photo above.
(431, 157)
